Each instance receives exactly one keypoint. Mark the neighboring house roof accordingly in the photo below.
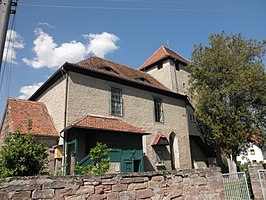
(21, 111)
(109, 67)
(105, 123)
(160, 54)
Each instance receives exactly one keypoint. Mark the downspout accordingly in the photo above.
(65, 120)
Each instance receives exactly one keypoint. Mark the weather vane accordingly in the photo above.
(168, 44)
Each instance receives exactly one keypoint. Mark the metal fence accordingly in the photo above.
(262, 178)
(235, 186)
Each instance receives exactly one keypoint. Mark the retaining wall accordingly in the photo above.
(184, 184)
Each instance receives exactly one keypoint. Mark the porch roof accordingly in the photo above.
(105, 123)
(160, 139)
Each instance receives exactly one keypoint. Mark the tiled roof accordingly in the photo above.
(109, 67)
(160, 139)
(160, 54)
(106, 123)
(21, 111)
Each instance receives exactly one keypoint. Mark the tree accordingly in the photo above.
(100, 161)
(21, 156)
(229, 81)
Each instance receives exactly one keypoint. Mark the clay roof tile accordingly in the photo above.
(21, 111)
(160, 54)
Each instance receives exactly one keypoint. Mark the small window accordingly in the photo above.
(144, 80)
(192, 118)
(116, 102)
(158, 108)
(252, 152)
(159, 156)
(109, 69)
(160, 65)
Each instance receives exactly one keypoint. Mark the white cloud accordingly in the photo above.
(27, 91)
(46, 24)
(102, 44)
(13, 42)
(51, 55)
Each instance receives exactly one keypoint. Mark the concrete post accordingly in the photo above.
(254, 178)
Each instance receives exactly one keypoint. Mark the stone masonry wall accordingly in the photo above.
(184, 184)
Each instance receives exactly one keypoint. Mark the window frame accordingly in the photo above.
(116, 103)
(158, 110)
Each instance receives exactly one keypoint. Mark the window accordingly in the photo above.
(159, 155)
(116, 102)
(192, 118)
(252, 152)
(160, 65)
(158, 110)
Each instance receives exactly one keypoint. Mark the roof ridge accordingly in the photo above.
(109, 61)
(150, 57)
(164, 48)
(25, 100)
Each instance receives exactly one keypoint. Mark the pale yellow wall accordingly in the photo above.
(182, 76)
(5, 127)
(54, 99)
(163, 75)
(176, 80)
(88, 95)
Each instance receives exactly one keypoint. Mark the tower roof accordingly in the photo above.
(160, 54)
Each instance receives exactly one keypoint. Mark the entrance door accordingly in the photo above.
(129, 166)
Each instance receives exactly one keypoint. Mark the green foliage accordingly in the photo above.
(100, 161)
(244, 168)
(229, 84)
(21, 156)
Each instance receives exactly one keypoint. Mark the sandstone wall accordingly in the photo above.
(184, 184)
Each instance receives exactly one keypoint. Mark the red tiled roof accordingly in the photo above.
(105, 123)
(160, 54)
(160, 137)
(109, 67)
(21, 111)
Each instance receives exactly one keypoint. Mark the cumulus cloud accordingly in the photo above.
(50, 54)
(102, 44)
(27, 91)
(13, 42)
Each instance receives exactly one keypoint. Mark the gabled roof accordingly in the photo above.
(112, 68)
(110, 71)
(160, 54)
(105, 123)
(160, 139)
(21, 111)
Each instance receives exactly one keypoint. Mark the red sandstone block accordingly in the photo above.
(126, 180)
(109, 181)
(138, 180)
(146, 193)
(119, 187)
(22, 195)
(113, 196)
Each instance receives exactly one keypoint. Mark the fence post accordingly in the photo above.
(254, 178)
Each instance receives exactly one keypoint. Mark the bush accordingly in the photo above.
(100, 161)
(21, 156)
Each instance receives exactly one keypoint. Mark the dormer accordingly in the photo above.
(169, 68)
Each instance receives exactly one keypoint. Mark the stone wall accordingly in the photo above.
(254, 178)
(184, 184)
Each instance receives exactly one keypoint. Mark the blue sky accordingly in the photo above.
(50, 32)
